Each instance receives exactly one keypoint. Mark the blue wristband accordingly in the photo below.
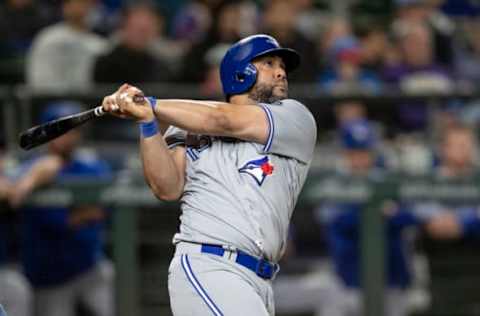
(153, 102)
(149, 129)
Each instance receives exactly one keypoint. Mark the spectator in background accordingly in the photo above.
(467, 54)
(358, 141)
(130, 59)
(169, 51)
(440, 25)
(280, 20)
(337, 28)
(193, 21)
(342, 229)
(230, 18)
(105, 16)
(63, 247)
(62, 55)
(15, 291)
(20, 21)
(212, 85)
(349, 111)
(458, 220)
(373, 44)
(457, 162)
(416, 73)
(345, 74)
(311, 20)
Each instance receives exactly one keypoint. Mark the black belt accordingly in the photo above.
(261, 267)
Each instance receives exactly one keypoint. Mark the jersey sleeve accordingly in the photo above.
(175, 136)
(292, 130)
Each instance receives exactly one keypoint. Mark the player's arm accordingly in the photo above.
(247, 122)
(164, 168)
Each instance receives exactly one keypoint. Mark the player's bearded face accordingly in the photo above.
(267, 93)
(271, 82)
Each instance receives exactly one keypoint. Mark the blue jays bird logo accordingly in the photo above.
(258, 169)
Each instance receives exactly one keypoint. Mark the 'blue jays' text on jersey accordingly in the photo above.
(242, 193)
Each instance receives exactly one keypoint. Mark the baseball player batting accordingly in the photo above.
(237, 167)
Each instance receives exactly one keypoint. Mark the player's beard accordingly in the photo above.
(263, 93)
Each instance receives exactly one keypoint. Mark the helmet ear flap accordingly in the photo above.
(244, 79)
(239, 76)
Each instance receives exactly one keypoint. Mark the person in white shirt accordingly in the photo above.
(62, 55)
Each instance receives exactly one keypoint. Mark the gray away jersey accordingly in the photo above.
(242, 193)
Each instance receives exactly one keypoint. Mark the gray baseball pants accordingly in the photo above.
(204, 284)
(16, 295)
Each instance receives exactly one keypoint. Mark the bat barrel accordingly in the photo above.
(48, 131)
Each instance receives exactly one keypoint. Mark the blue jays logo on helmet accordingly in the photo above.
(258, 169)
(237, 72)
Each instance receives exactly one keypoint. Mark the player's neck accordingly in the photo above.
(242, 99)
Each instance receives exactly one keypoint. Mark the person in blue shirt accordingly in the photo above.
(15, 291)
(63, 247)
(345, 72)
(457, 162)
(456, 226)
(342, 222)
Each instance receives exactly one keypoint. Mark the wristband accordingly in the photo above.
(153, 103)
(149, 129)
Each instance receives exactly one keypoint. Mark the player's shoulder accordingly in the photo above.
(291, 105)
(295, 109)
(287, 102)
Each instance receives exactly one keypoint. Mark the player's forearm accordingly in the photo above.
(160, 169)
(200, 117)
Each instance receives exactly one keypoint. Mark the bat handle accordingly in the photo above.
(98, 111)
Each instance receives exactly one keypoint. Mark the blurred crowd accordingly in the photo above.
(412, 47)
(417, 45)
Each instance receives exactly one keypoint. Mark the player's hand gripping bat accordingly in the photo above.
(45, 132)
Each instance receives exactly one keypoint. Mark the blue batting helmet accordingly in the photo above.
(237, 72)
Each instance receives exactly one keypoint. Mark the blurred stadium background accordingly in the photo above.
(406, 69)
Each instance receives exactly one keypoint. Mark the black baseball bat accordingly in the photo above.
(45, 132)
